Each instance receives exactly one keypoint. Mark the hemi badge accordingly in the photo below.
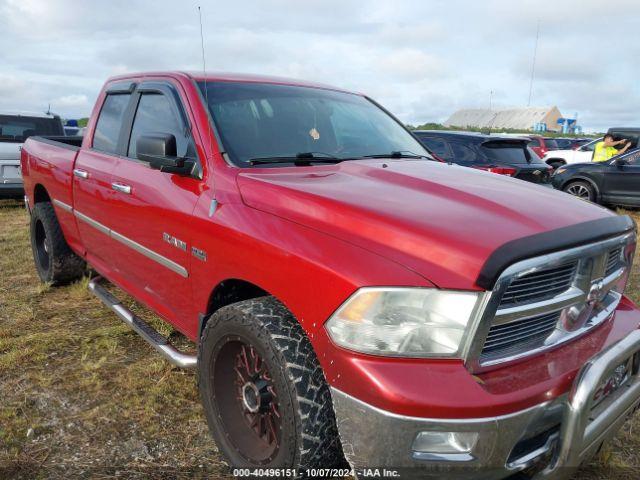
(199, 254)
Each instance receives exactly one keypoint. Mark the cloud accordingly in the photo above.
(72, 101)
(411, 64)
(421, 60)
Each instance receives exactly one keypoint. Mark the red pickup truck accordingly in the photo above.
(349, 298)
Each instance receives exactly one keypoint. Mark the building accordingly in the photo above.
(526, 118)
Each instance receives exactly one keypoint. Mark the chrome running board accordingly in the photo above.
(146, 331)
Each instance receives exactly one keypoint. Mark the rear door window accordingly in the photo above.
(109, 122)
(550, 143)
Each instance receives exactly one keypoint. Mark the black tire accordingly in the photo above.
(55, 261)
(581, 189)
(306, 435)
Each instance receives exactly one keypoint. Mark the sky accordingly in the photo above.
(421, 59)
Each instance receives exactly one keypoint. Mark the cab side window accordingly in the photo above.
(109, 122)
(155, 114)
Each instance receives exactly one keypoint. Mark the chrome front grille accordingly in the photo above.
(614, 258)
(545, 301)
(511, 337)
(540, 285)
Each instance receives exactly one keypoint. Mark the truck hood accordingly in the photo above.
(10, 151)
(441, 221)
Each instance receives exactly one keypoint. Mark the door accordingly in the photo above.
(152, 210)
(92, 193)
(622, 180)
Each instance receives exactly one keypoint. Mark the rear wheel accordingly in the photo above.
(264, 394)
(55, 261)
(582, 190)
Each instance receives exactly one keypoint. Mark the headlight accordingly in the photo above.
(408, 322)
(559, 170)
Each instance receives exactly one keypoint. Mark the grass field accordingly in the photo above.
(83, 396)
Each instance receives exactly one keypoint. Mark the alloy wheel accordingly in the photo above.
(580, 191)
(247, 401)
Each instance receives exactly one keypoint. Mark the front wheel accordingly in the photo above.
(582, 190)
(265, 397)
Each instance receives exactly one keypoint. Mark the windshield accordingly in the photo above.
(509, 152)
(262, 121)
(17, 128)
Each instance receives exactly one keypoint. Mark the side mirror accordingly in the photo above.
(159, 149)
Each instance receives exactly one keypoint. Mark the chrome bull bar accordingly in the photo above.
(584, 431)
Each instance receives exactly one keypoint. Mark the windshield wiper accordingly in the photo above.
(303, 158)
(396, 154)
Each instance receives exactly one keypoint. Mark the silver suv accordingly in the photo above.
(15, 128)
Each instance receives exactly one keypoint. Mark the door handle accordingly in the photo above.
(80, 173)
(121, 187)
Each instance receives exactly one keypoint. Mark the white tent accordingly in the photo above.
(518, 118)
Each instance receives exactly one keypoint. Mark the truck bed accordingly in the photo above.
(61, 141)
(47, 166)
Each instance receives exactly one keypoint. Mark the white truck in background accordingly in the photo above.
(582, 154)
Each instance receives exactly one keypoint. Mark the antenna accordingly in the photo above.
(213, 205)
(204, 74)
(490, 99)
(533, 63)
(204, 62)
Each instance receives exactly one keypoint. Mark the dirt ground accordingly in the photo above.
(82, 396)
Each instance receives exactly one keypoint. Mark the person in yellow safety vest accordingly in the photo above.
(604, 150)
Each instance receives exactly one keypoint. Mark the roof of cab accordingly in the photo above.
(228, 77)
(24, 113)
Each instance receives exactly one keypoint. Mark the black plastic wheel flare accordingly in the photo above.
(42, 250)
(247, 401)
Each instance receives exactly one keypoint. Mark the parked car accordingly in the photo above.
(346, 296)
(71, 131)
(541, 145)
(15, 128)
(564, 143)
(571, 143)
(582, 154)
(627, 133)
(493, 153)
(615, 182)
(579, 142)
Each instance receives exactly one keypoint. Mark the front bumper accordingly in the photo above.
(549, 440)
